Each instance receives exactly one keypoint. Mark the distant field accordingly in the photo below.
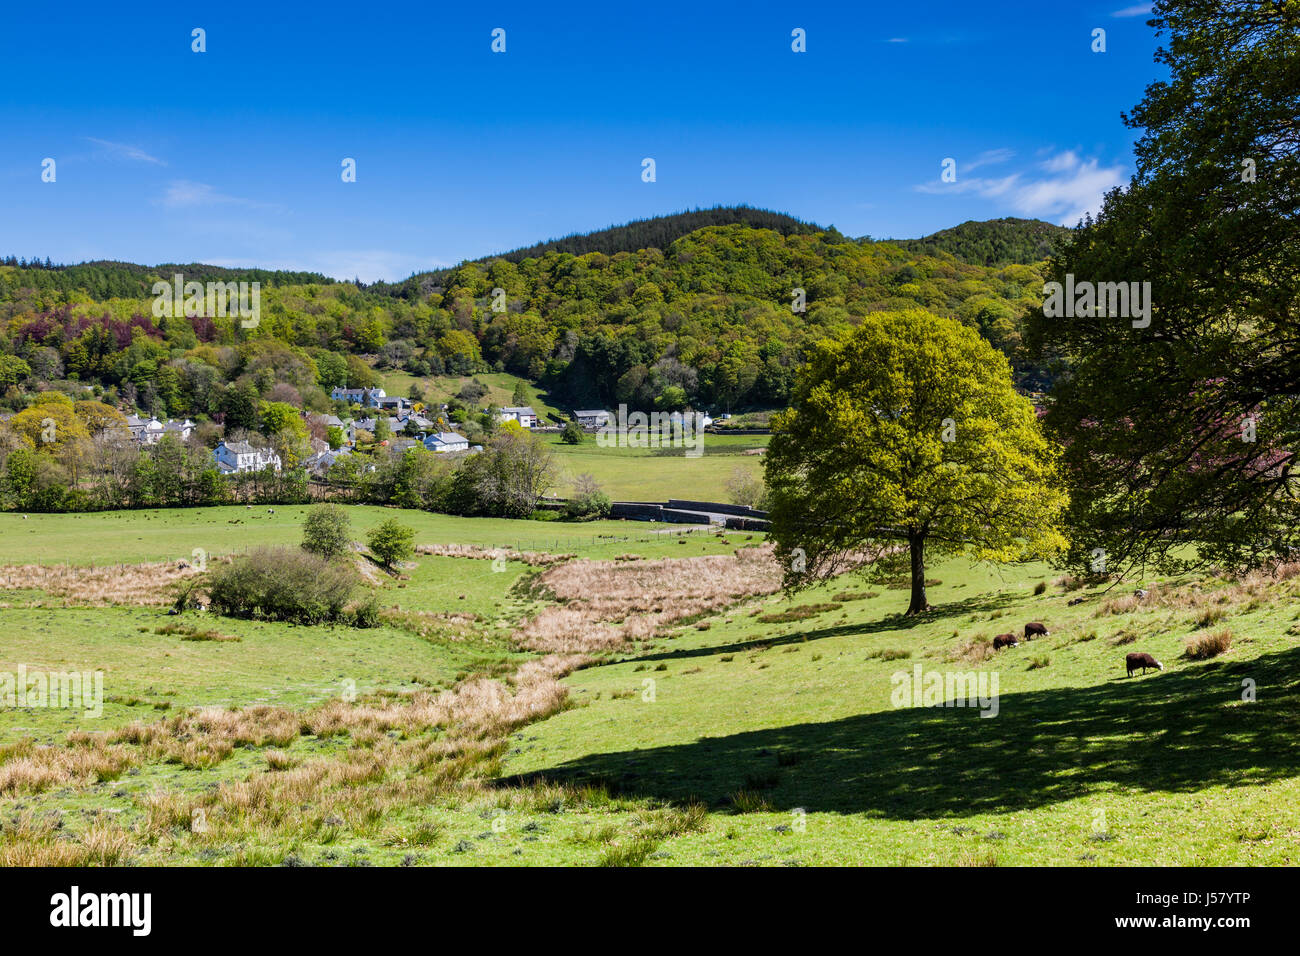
(167, 535)
(638, 474)
(439, 389)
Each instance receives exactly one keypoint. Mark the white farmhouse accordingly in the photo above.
(524, 415)
(446, 441)
(239, 456)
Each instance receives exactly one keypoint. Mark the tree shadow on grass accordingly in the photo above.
(1175, 732)
(894, 622)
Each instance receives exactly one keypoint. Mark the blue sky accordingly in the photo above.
(233, 156)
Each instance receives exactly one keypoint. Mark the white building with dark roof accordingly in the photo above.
(239, 456)
(446, 441)
(523, 414)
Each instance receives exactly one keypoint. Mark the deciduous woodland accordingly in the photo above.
(958, 577)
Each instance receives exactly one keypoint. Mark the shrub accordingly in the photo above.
(391, 542)
(366, 614)
(327, 531)
(747, 489)
(1211, 615)
(1205, 645)
(588, 500)
(282, 584)
(572, 434)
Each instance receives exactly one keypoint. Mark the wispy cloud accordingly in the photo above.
(897, 40)
(187, 194)
(1141, 9)
(990, 157)
(1062, 187)
(125, 151)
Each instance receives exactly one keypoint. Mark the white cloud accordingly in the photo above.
(897, 40)
(1063, 163)
(990, 157)
(126, 151)
(1063, 188)
(1068, 196)
(1136, 11)
(187, 194)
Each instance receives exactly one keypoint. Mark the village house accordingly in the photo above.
(149, 431)
(322, 461)
(446, 441)
(592, 418)
(524, 415)
(419, 422)
(181, 430)
(146, 431)
(239, 456)
(366, 397)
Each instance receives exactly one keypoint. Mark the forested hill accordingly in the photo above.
(995, 242)
(705, 320)
(107, 280)
(657, 232)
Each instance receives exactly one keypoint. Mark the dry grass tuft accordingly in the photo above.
(531, 558)
(27, 768)
(135, 584)
(1207, 644)
(974, 650)
(607, 604)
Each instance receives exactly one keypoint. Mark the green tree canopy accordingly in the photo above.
(327, 531)
(391, 542)
(907, 432)
(1181, 432)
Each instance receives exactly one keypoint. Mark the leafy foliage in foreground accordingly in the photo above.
(282, 584)
(1184, 432)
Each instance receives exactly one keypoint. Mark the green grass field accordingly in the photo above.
(724, 740)
(439, 389)
(173, 535)
(643, 474)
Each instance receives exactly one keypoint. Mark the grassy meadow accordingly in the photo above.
(640, 698)
(651, 474)
(438, 389)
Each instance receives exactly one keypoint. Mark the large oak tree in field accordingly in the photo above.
(906, 441)
(1181, 436)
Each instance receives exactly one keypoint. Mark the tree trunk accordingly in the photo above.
(916, 544)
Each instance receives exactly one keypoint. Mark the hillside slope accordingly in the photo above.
(995, 242)
(707, 319)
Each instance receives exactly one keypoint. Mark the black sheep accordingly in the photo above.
(1134, 661)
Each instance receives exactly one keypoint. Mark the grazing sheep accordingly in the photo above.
(1035, 629)
(1005, 640)
(1134, 661)
(1140, 593)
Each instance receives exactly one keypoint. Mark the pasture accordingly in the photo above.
(547, 714)
(651, 474)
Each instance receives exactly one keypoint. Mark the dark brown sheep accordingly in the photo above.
(1034, 629)
(1134, 661)
(1004, 640)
